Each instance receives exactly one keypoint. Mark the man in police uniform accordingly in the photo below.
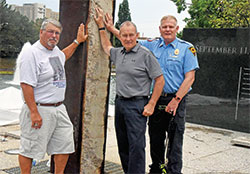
(178, 61)
(136, 67)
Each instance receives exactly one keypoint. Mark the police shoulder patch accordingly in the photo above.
(192, 49)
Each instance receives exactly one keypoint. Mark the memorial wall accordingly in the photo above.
(219, 97)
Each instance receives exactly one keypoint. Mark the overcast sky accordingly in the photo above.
(146, 14)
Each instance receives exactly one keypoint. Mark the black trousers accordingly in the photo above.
(159, 126)
(130, 126)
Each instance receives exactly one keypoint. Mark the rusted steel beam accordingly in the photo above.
(87, 75)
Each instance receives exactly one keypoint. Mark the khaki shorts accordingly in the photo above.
(54, 137)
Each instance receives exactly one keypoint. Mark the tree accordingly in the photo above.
(15, 30)
(123, 15)
(38, 23)
(231, 14)
(216, 13)
(181, 5)
(200, 12)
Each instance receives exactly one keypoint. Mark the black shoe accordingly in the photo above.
(161, 169)
(164, 169)
(154, 169)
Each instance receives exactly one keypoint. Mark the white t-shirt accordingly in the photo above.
(44, 70)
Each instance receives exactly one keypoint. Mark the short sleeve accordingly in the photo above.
(113, 54)
(153, 67)
(190, 60)
(145, 43)
(28, 69)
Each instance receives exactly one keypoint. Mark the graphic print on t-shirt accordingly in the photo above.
(59, 75)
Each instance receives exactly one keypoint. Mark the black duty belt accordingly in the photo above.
(164, 94)
(131, 98)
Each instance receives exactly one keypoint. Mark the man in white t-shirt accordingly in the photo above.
(45, 124)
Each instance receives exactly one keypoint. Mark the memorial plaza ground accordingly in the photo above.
(207, 150)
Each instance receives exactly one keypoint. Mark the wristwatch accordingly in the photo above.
(76, 42)
(177, 98)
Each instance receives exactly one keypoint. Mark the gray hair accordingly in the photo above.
(168, 17)
(53, 22)
(128, 23)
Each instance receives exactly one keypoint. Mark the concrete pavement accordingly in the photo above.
(207, 150)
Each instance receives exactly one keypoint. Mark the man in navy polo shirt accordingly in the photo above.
(136, 67)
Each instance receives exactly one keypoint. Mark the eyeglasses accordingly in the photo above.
(52, 32)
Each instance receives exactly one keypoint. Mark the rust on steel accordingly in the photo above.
(72, 14)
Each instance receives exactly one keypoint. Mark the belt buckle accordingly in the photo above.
(162, 107)
(58, 104)
(164, 94)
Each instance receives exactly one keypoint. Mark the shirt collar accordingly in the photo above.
(162, 43)
(134, 49)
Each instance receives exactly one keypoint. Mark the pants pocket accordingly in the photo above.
(28, 144)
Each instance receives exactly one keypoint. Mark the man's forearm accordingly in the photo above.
(158, 87)
(81, 37)
(115, 32)
(110, 25)
(28, 94)
(106, 44)
(186, 84)
(69, 50)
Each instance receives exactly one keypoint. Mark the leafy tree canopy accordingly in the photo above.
(216, 13)
(15, 30)
(231, 14)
